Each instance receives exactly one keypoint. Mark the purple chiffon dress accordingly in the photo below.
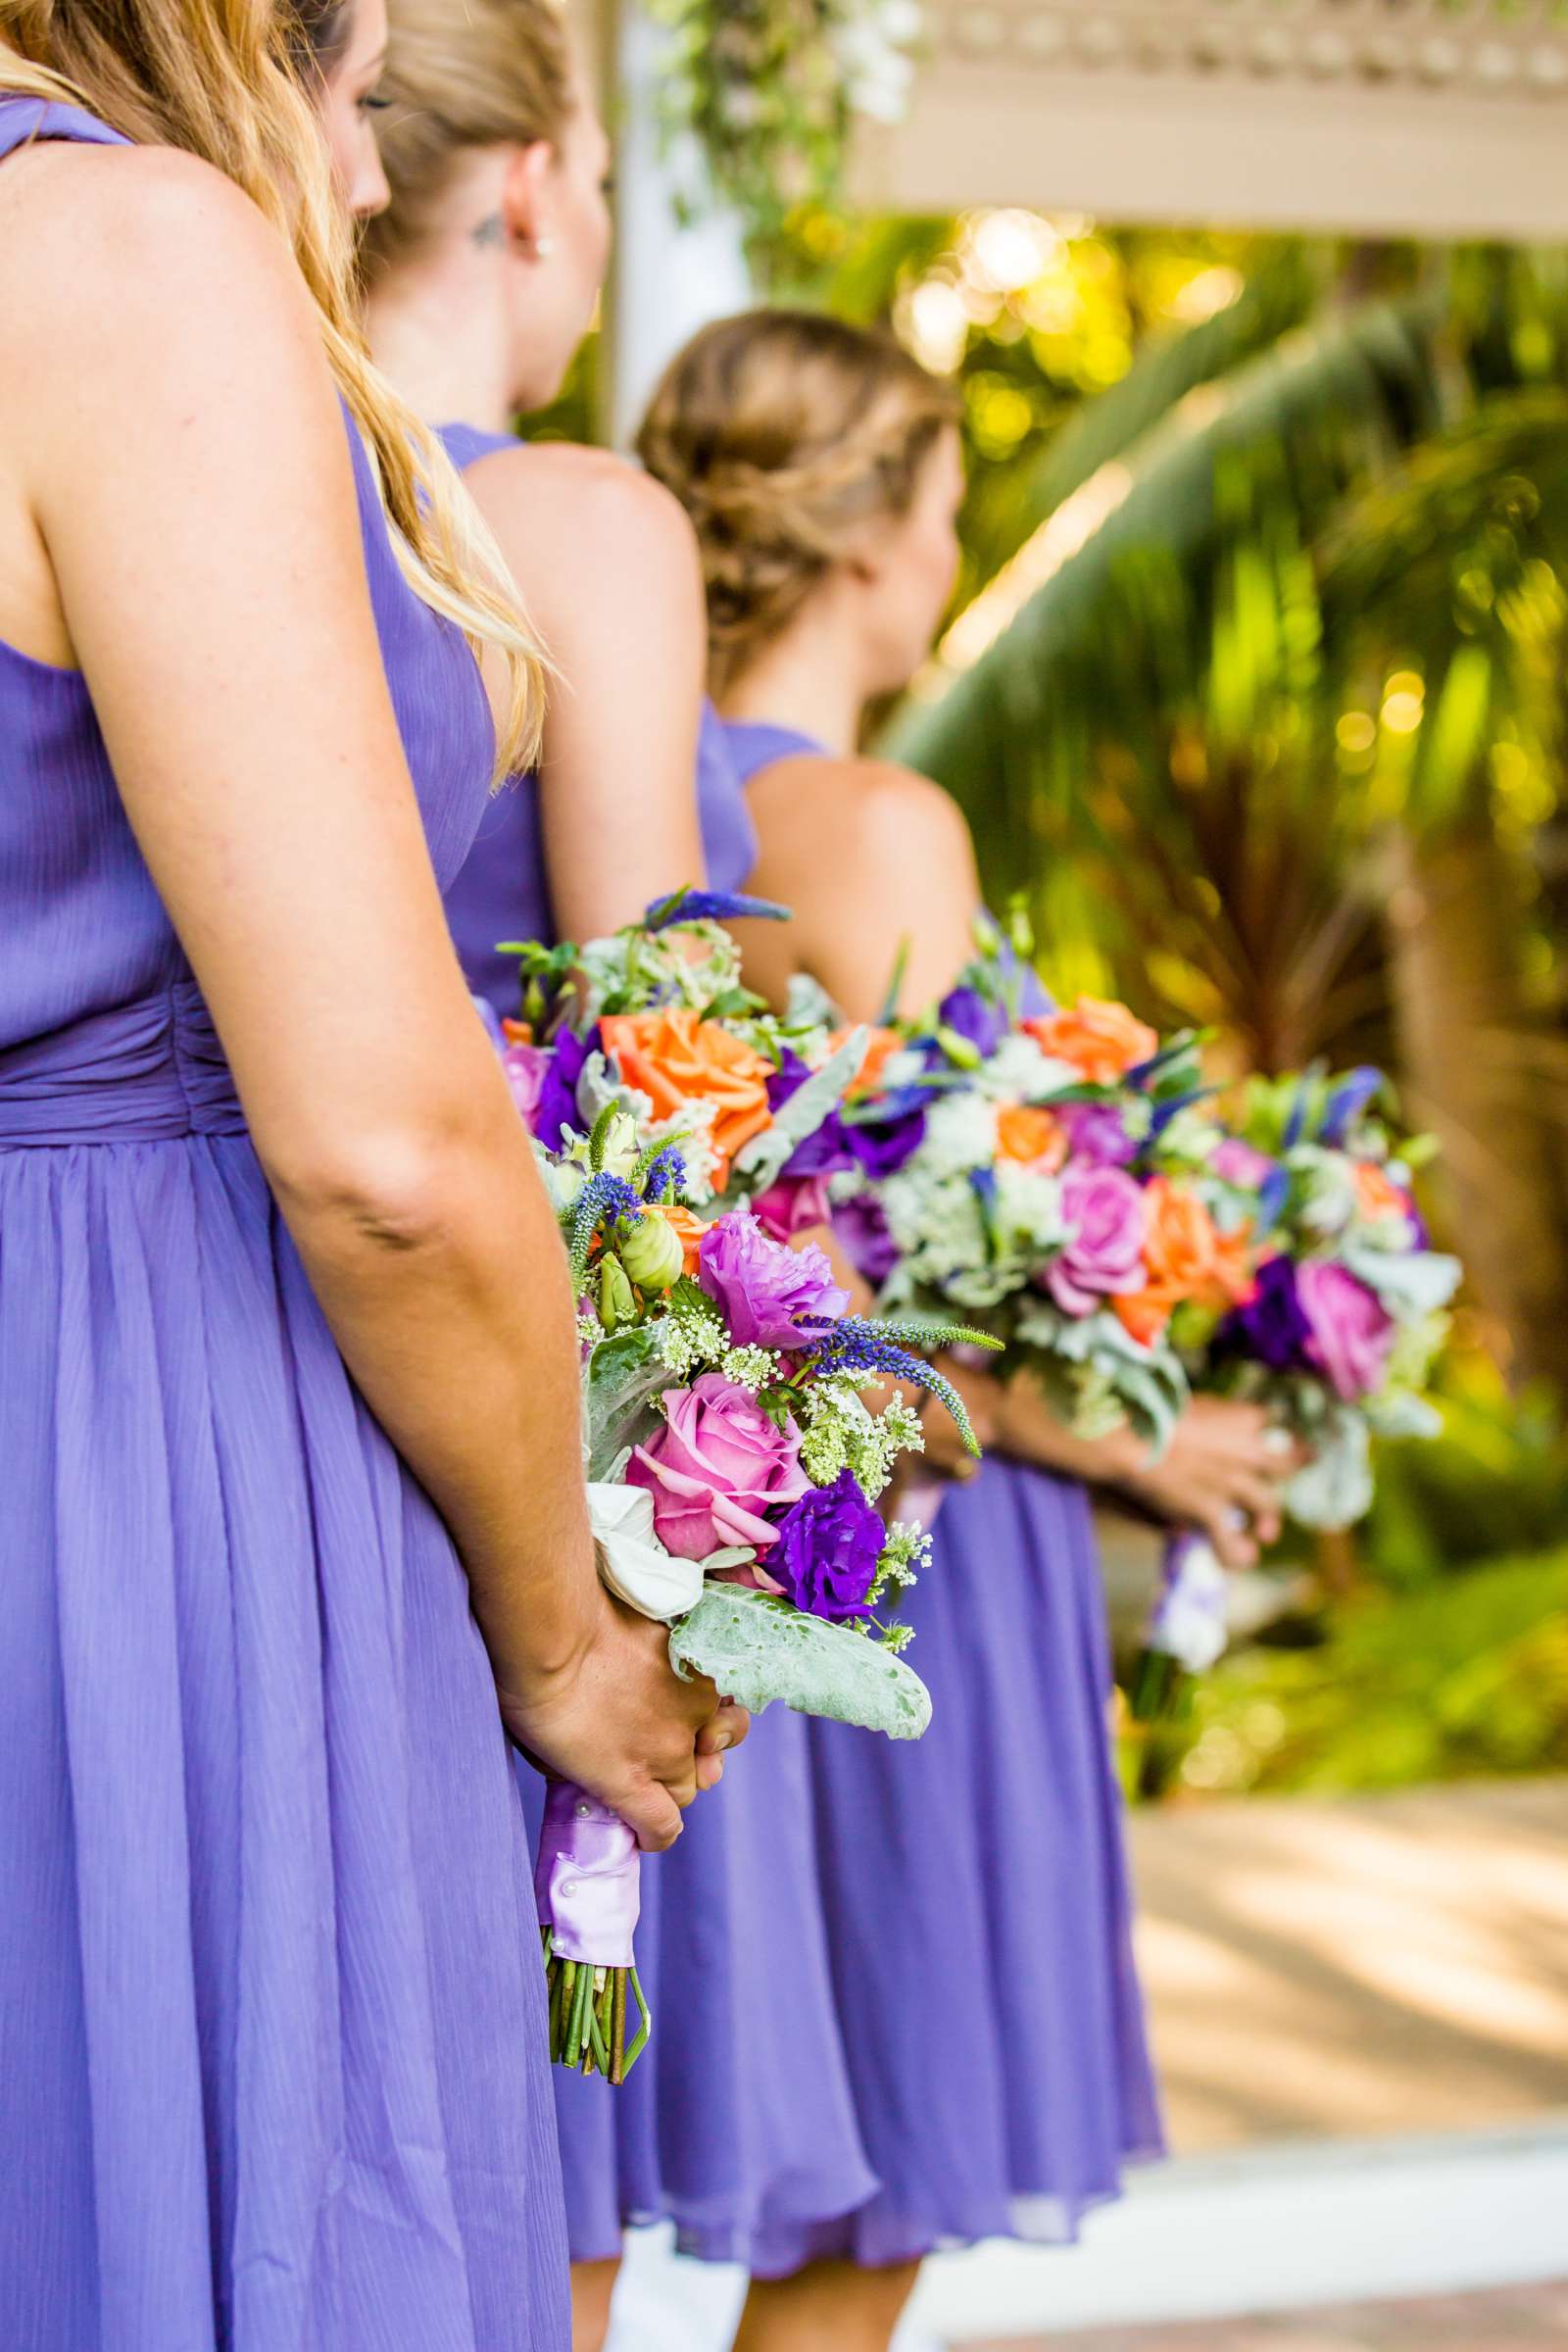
(273, 2067)
(730, 2127)
(974, 1887)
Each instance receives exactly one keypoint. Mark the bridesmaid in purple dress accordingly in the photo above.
(976, 1881)
(485, 271)
(289, 1518)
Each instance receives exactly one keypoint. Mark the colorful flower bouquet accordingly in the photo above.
(654, 1021)
(733, 1468)
(1039, 1170)
(1336, 1335)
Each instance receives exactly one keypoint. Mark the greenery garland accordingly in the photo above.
(771, 90)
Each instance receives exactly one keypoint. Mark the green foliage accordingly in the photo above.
(770, 90)
(1465, 1677)
(1494, 1483)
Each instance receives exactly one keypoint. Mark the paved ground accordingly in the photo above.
(1381, 1965)
(1515, 2319)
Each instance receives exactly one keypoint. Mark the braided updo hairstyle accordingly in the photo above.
(783, 433)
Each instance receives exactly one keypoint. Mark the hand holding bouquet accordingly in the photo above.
(733, 1471)
(1039, 1170)
(1336, 1335)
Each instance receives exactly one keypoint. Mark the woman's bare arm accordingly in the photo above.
(607, 563)
(197, 504)
(875, 858)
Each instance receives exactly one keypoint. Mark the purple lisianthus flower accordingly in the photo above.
(557, 1103)
(862, 1227)
(1105, 1208)
(1271, 1327)
(765, 1290)
(884, 1147)
(826, 1555)
(1097, 1131)
(969, 1014)
(1350, 1330)
(826, 1152)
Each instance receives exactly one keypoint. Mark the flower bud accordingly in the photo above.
(651, 1253)
(616, 1305)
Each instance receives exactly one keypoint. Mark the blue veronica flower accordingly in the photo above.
(669, 1170)
(712, 906)
(1346, 1102)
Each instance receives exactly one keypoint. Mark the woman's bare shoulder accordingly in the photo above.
(561, 508)
(866, 799)
(129, 240)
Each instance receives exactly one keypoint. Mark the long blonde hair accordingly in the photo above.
(492, 74)
(783, 433)
(211, 78)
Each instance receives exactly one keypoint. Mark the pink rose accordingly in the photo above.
(525, 1067)
(1350, 1332)
(716, 1465)
(1105, 1208)
(793, 1205)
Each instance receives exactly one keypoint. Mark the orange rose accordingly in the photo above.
(1235, 1274)
(676, 1058)
(685, 1226)
(1185, 1257)
(1098, 1040)
(1032, 1136)
(881, 1045)
(1375, 1194)
(1144, 1314)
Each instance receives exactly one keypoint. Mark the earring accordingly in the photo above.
(543, 248)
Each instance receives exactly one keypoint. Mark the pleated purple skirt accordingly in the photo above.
(737, 2123)
(273, 2067)
(974, 1898)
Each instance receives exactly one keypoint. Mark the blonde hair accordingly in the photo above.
(783, 433)
(211, 78)
(490, 73)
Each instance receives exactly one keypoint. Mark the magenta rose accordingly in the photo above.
(1105, 1208)
(1240, 1165)
(793, 1205)
(766, 1291)
(1350, 1332)
(526, 1069)
(715, 1467)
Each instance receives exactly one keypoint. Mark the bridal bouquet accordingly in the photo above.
(654, 1021)
(734, 1467)
(1336, 1335)
(1041, 1171)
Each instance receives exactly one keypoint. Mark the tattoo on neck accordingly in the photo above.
(490, 233)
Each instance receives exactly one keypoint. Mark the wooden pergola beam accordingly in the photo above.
(1390, 118)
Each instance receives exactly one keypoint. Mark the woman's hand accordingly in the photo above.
(619, 1720)
(1222, 1472)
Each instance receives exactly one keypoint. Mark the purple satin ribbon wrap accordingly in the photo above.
(587, 1879)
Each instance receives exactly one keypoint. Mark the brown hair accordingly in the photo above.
(783, 433)
(490, 73)
(213, 77)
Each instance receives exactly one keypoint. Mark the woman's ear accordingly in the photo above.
(527, 198)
